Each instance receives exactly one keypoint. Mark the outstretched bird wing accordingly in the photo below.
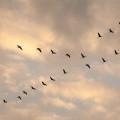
(19, 47)
(88, 65)
(116, 53)
(52, 79)
(64, 71)
(39, 49)
(25, 92)
(83, 56)
(33, 88)
(19, 97)
(99, 35)
(104, 60)
(44, 84)
(68, 55)
(111, 31)
(4, 101)
(53, 52)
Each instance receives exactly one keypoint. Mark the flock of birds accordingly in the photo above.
(64, 71)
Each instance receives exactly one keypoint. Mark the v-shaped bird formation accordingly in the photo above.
(64, 71)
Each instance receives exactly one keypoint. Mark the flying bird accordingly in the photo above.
(64, 71)
(53, 52)
(25, 92)
(68, 55)
(4, 101)
(104, 60)
(99, 35)
(44, 84)
(88, 66)
(52, 79)
(39, 50)
(33, 88)
(20, 47)
(83, 56)
(111, 31)
(19, 97)
(116, 53)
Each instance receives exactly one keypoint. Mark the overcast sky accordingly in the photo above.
(66, 26)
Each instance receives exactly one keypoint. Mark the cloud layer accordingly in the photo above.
(65, 26)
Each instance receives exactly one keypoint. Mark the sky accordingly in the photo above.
(65, 26)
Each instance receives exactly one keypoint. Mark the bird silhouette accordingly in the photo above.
(116, 53)
(20, 47)
(44, 83)
(88, 66)
(83, 56)
(52, 79)
(64, 71)
(33, 88)
(99, 35)
(39, 50)
(104, 60)
(19, 97)
(4, 101)
(111, 31)
(53, 52)
(25, 92)
(119, 23)
(68, 55)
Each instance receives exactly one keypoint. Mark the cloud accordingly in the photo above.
(59, 103)
(65, 26)
(83, 90)
(30, 112)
